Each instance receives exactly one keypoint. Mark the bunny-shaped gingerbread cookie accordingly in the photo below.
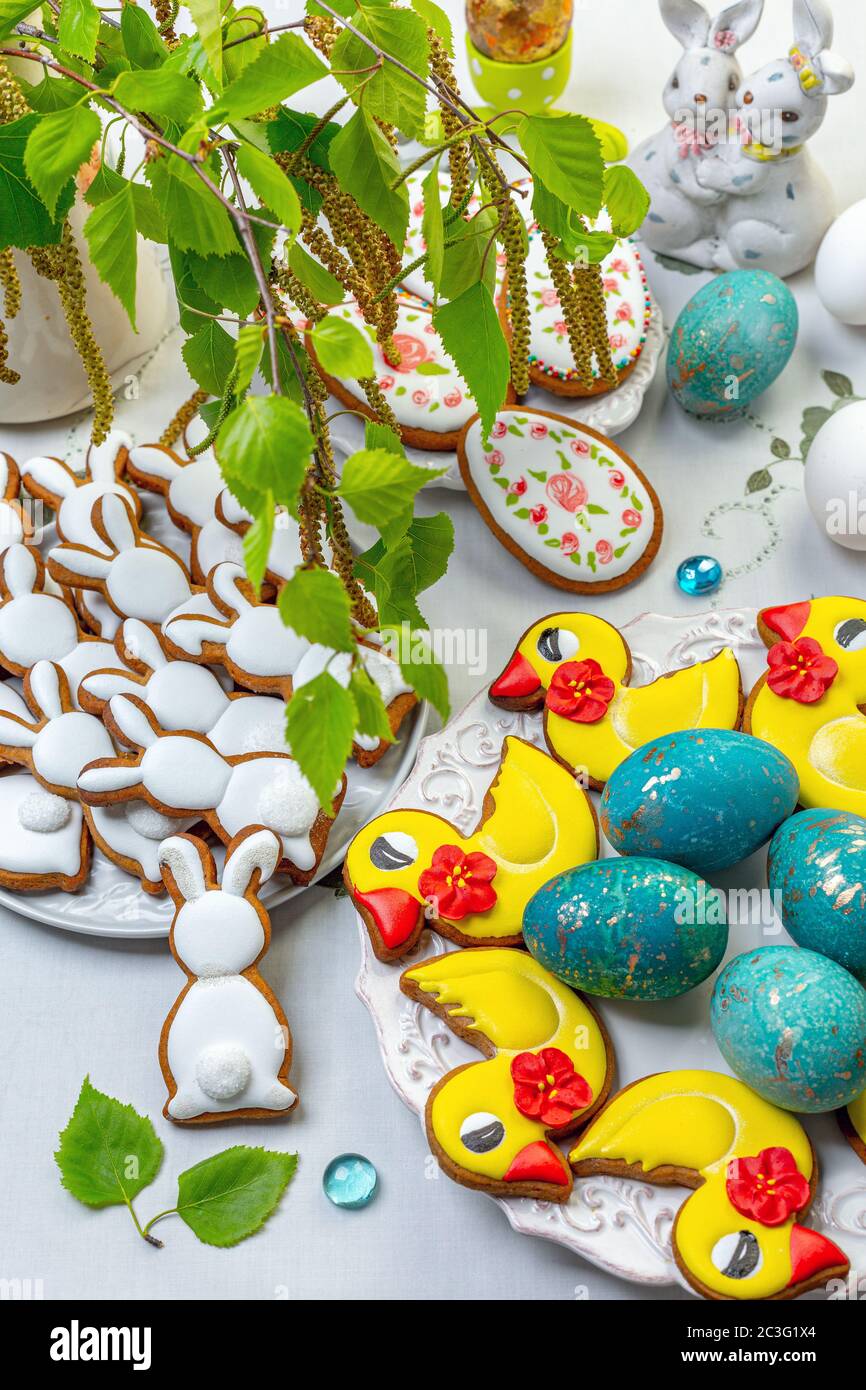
(37, 625)
(72, 495)
(58, 740)
(15, 523)
(189, 486)
(221, 538)
(225, 1048)
(136, 577)
(778, 201)
(700, 91)
(182, 774)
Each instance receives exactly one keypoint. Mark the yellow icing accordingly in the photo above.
(700, 1120)
(542, 823)
(857, 1115)
(703, 696)
(826, 741)
(510, 999)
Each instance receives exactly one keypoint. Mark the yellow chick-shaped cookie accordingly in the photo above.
(737, 1236)
(549, 1068)
(808, 702)
(853, 1122)
(408, 867)
(578, 667)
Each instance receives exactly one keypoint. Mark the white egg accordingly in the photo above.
(840, 269)
(835, 476)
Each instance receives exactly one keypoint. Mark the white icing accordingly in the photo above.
(158, 462)
(185, 696)
(147, 583)
(12, 703)
(141, 643)
(194, 622)
(102, 458)
(131, 832)
(626, 307)
(260, 644)
(382, 670)
(74, 515)
(194, 490)
(585, 504)
(260, 852)
(223, 1071)
(217, 933)
(43, 812)
(11, 525)
(288, 802)
(66, 744)
(385, 673)
(440, 402)
(90, 654)
(144, 820)
(132, 721)
(36, 627)
(19, 570)
(98, 613)
(25, 850)
(250, 724)
(214, 544)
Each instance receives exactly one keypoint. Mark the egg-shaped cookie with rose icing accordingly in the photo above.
(423, 388)
(562, 498)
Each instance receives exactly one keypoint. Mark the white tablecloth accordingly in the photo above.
(72, 1005)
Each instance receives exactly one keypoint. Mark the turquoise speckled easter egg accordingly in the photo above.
(817, 866)
(627, 928)
(731, 341)
(704, 798)
(792, 1025)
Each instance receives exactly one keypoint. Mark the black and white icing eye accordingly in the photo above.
(851, 634)
(481, 1132)
(737, 1255)
(393, 851)
(557, 644)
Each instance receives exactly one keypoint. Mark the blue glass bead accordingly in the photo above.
(699, 574)
(350, 1181)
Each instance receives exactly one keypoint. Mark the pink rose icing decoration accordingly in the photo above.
(452, 399)
(421, 397)
(624, 312)
(630, 517)
(567, 491)
(412, 351)
(604, 552)
(518, 487)
(617, 340)
(569, 543)
(386, 382)
(616, 479)
(549, 298)
(538, 514)
(494, 459)
(539, 431)
(579, 446)
(500, 429)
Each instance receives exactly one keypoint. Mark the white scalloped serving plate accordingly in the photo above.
(620, 1225)
(111, 903)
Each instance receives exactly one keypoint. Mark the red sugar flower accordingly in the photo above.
(800, 670)
(547, 1087)
(768, 1188)
(459, 883)
(580, 691)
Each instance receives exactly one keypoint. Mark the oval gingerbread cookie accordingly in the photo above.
(562, 498)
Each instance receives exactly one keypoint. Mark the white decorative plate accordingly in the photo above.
(621, 1225)
(112, 902)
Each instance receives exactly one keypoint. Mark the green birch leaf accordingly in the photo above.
(148, 214)
(432, 226)
(422, 671)
(289, 129)
(271, 185)
(167, 95)
(111, 239)
(248, 355)
(379, 485)
(472, 336)
(108, 1152)
(366, 166)
(197, 221)
(209, 355)
(431, 541)
(266, 445)
(53, 94)
(228, 1197)
(280, 70)
(227, 280)
(12, 12)
(207, 18)
(472, 256)
(625, 198)
(315, 605)
(434, 16)
(257, 543)
(141, 39)
(242, 24)
(320, 282)
(565, 153)
(79, 28)
(57, 147)
(372, 714)
(106, 184)
(321, 719)
(390, 94)
(388, 572)
(342, 349)
(24, 218)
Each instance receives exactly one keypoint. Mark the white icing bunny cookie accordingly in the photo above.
(39, 626)
(15, 524)
(72, 495)
(225, 1048)
(230, 627)
(424, 389)
(221, 539)
(44, 842)
(56, 740)
(182, 774)
(397, 697)
(189, 486)
(136, 577)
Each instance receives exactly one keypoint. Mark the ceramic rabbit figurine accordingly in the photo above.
(778, 201)
(225, 1048)
(700, 91)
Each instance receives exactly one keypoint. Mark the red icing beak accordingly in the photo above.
(811, 1254)
(517, 680)
(788, 621)
(538, 1162)
(394, 911)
